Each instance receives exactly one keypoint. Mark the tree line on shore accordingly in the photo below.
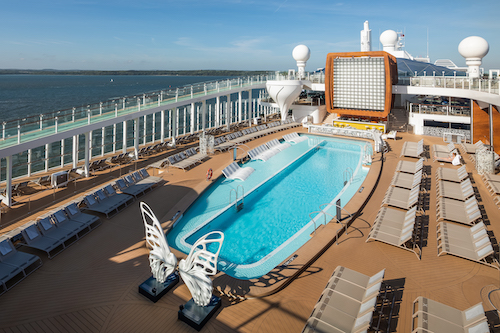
(201, 72)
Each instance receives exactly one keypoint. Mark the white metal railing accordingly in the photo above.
(371, 134)
(456, 82)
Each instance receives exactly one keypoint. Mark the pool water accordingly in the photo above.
(273, 221)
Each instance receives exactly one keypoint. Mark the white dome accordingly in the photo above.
(389, 38)
(301, 53)
(473, 47)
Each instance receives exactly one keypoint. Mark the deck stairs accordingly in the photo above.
(397, 120)
(330, 117)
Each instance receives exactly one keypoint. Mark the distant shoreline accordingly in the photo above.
(131, 72)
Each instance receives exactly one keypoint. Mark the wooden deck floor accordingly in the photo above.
(92, 286)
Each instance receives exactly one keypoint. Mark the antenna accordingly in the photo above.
(428, 43)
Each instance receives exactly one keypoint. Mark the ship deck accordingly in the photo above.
(92, 285)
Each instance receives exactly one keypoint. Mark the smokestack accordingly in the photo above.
(366, 38)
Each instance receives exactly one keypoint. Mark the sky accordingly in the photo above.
(230, 34)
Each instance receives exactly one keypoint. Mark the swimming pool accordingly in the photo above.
(278, 198)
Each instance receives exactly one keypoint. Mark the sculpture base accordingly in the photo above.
(155, 290)
(197, 316)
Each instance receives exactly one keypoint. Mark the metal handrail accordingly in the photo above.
(236, 195)
(347, 172)
(343, 209)
(324, 214)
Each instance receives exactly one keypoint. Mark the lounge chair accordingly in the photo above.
(15, 265)
(391, 135)
(294, 137)
(119, 201)
(146, 176)
(129, 187)
(432, 316)
(75, 214)
(262, 153)
(475, 232)
(48, 228)
(275, 144)
(347, 303)
(413, 149)
(409, 166)
(395, 228)
(32, 237)
(406, 180)
(470, 148)
(452, 175)
(356, 278)
(234, 171)
(467, 246)
(93, 205)
(466, 212)
(329, 319)
(401, 198)
(458, 191)
(443, 151)
(63, 221)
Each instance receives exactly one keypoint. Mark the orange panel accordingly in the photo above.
(391, 78)
(481, 124)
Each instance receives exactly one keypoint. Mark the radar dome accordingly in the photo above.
(389, 38)
(301, 53)
(473, 47)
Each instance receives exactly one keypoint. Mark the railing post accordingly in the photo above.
(41, 122)
(73, 115)
(88, 113)
(3, 130)
(18, 132)
(100, 108)
(116, 110)
(56, 123)
(191, 91)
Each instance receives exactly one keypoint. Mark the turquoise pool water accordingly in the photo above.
(279, 196)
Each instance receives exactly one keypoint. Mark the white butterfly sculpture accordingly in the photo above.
(194, 270)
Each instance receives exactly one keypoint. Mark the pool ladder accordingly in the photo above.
(237, 206)
(347, 176)
(321, 211)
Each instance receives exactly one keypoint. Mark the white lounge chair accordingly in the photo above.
(234, 171)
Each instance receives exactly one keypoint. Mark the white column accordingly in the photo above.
(144, 130)
(136, 138)
(62, 153)
(46, 157)
(87, 153)
(240, 114)
(176, 123)
(8, 182)
(192, 116)
(249, 108)
(162, 126)
(114, 138)
(209, 115)
(75, 151)
(203, 114)
(124, 143)
(228, 112)
(217, 111)
(29, 162)
(153, 127)
(103, 131)
(185, 119)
